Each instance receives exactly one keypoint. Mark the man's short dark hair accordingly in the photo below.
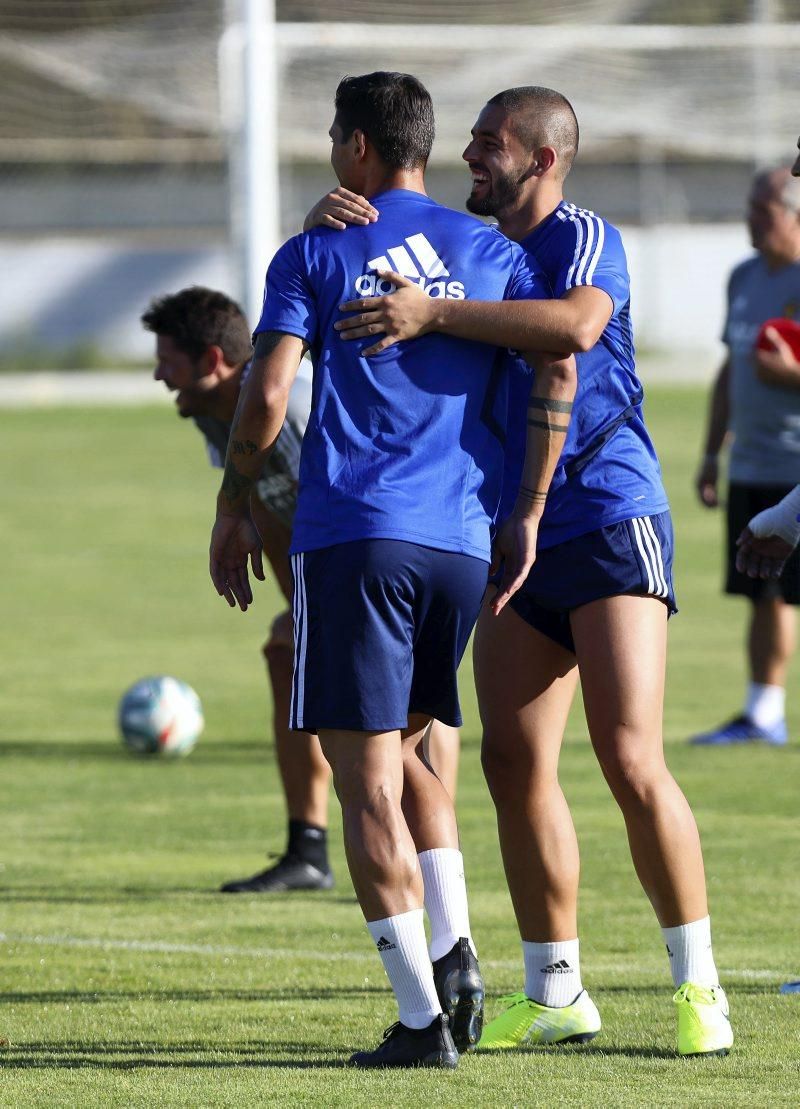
(395, 112)
(196, 319)
(542, 117)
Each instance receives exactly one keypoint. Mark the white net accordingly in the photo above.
(128, 80)
(119, 122)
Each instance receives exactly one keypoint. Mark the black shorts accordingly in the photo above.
(744, 501)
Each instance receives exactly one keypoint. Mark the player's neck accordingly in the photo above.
(534, 208)
(382, 181)
(222, 402)
(776, 260)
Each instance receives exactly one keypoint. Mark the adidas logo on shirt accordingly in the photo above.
(385, 945)
(415, 259)
(561, 967)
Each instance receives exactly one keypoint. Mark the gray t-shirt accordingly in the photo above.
(765, 419)
(277, 486)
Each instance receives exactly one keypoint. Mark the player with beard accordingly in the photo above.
(597, 599)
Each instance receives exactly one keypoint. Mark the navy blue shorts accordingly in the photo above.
(633, 557)
(380, 626)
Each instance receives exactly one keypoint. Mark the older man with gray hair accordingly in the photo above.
(756, 401)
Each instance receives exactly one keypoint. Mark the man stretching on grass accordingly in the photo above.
(399, 480)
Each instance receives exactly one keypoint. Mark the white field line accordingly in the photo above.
(162, 947)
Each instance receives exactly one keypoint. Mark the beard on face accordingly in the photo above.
(503, 192)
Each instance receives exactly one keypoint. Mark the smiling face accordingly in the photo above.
(499, 163)
(188, 377)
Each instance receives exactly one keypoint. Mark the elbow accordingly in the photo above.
(273, 397)
(583, 338)
(562, 374)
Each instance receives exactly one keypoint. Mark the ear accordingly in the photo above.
(214, 362)
(359, 141)
(544, 160)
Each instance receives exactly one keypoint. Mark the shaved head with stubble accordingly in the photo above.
(520, 134)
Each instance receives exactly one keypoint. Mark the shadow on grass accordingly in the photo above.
(131, 1055)
(106, 896)
(287, 993)
(137, 1054)
(112, 749)
(585, 1049)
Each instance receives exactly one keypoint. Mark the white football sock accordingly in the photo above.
(402, 947)
(766, 704)
(690, 956)
(552, 972)
(445, 899)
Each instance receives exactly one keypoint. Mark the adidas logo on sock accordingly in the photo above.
(385, 945)
(561, 967)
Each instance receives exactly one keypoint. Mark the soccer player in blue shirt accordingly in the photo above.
(400, 477)
(597, 599)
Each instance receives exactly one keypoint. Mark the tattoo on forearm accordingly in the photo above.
(546, 408)
(243, 446)
(550, 405)
(266, 342)
(536, 496)
(560, 428)
(235, 484)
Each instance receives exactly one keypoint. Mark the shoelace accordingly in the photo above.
(513, 999)
(693, 993)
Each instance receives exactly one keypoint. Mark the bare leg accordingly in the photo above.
(442, 748)
(305, 774)
(621, 648)
(525, 684)
(771, 641)
(381, 855)
(427, 805)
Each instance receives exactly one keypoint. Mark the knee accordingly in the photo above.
(507, 770)
(633, 776)
(279, 648)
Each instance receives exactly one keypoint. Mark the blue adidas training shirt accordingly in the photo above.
(407, 444)
(608, 470)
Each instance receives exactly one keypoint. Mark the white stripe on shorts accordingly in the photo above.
(659, 564)
(649, 550)
(300, 643)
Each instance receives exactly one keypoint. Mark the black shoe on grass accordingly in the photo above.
(412, 1047)
(289, 873)
(459, 987)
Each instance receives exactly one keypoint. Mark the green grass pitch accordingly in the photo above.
(127, 980)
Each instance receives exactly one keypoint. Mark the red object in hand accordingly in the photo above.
(789, 331)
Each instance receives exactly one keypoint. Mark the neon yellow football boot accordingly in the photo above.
(527, 1022)
(704, 1027)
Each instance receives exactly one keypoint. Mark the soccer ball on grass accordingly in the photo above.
(160, 716)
